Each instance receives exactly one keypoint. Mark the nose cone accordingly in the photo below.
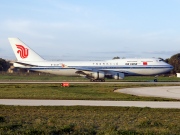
(170, 67)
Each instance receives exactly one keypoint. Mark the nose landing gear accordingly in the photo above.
(155, 78)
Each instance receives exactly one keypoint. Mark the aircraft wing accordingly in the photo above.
(87, 71)
(83, 71)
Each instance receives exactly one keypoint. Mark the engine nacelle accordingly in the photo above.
(98, 75)
(118, 76)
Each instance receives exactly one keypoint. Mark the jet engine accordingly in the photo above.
(118, 76)
(98, 75)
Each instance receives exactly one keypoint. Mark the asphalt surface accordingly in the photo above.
(59, 82)
(165, 92)
(151, 104)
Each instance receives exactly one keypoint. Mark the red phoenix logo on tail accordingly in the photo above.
(24, 52)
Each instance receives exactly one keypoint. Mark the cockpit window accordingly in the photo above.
(160, 60)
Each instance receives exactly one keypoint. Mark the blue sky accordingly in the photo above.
(92, 30)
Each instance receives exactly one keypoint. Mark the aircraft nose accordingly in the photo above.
(171, 66)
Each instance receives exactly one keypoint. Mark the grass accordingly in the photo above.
(79, 120)
(37, 77)
(151, 78)
(74, 92)
(50, 77)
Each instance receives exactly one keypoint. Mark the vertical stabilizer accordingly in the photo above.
(23, 52)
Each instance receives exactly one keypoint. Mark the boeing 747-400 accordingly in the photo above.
(93, 70)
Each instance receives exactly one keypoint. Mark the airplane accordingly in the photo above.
(93, 70)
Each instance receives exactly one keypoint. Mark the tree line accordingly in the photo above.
(4, 65)
(175, 62)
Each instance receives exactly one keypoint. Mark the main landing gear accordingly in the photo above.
(155, 78)
(97, 80)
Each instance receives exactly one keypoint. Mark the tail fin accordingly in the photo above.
(23, 52)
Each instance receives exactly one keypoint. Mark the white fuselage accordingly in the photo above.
(134, 66)
(93, 70)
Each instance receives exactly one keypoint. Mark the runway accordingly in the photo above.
(151, 104)
(164, 92)
(71, 82)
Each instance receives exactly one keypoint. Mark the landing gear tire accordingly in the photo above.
(103, 80)
(155, 79)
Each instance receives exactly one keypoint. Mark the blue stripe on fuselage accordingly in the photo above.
(98, 67)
